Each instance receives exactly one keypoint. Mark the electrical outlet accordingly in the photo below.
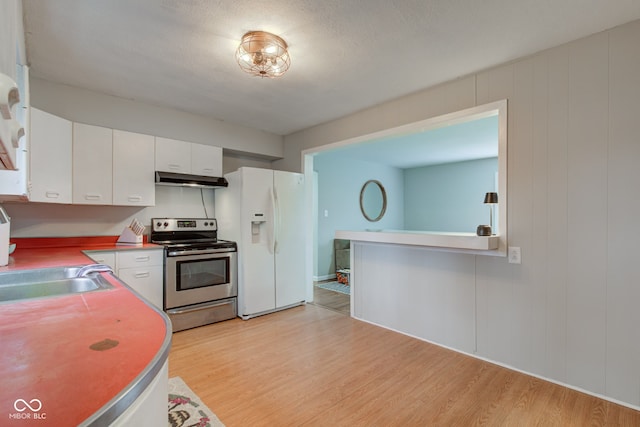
(514, 255)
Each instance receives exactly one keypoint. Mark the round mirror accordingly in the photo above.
(373, 200)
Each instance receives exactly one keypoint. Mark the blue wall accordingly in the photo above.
(339, 182)
(448, 197)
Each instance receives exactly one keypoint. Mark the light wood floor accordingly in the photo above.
(315, 367)
(332, 300)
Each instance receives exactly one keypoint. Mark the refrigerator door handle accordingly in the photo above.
(274, 220)
(276, 234)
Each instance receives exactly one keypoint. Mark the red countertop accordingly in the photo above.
(73, 353)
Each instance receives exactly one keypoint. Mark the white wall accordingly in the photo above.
(233, 161)
(95, 108)
(569, 312)
(56, 220)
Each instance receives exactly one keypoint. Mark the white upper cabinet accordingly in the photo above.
(173, 155)
(50, 169)
(133, 169)
(206, 160)
(186, 157)
(92, 165)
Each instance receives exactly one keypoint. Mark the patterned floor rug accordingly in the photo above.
(186, 409)
(336, 287)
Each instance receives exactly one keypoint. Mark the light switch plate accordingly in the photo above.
(514, 255)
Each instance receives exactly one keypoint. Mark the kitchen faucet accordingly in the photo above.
(93, 268)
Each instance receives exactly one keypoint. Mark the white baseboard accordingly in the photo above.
(323, 278)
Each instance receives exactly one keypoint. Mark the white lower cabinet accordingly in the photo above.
(141, 269)
(150, 408)
(147, 281)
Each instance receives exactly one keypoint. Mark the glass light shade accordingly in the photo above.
(263, 54)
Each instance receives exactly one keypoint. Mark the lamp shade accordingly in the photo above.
(491, 198)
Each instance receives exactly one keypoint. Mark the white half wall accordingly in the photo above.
(431, 294)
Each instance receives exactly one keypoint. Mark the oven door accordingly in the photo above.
(193, 279)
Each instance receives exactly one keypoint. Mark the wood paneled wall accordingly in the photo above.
(570, 312)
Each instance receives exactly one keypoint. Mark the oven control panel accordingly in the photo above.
(184, 224)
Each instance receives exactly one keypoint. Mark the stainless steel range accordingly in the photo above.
(200, 271)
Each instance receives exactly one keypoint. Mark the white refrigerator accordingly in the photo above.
(263, 211)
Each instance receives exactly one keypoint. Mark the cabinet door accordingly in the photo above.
(50, 156)
(133, 169)
(92, 165)
(147, 281)
(143, 271)
(173, 155)
(206, 160)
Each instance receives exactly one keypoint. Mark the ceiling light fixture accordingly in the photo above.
(263, 54)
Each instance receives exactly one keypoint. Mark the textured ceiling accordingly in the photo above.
(347, 55)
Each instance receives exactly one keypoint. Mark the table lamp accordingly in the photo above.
(491, 199)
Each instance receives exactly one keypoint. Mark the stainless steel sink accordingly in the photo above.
(48, 282)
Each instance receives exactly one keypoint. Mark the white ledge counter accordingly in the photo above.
(462, 242)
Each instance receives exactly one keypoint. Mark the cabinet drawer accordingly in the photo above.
(139, 258)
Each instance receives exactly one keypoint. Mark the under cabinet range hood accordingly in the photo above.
(186, 180)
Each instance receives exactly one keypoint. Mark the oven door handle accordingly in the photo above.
(200, 252)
